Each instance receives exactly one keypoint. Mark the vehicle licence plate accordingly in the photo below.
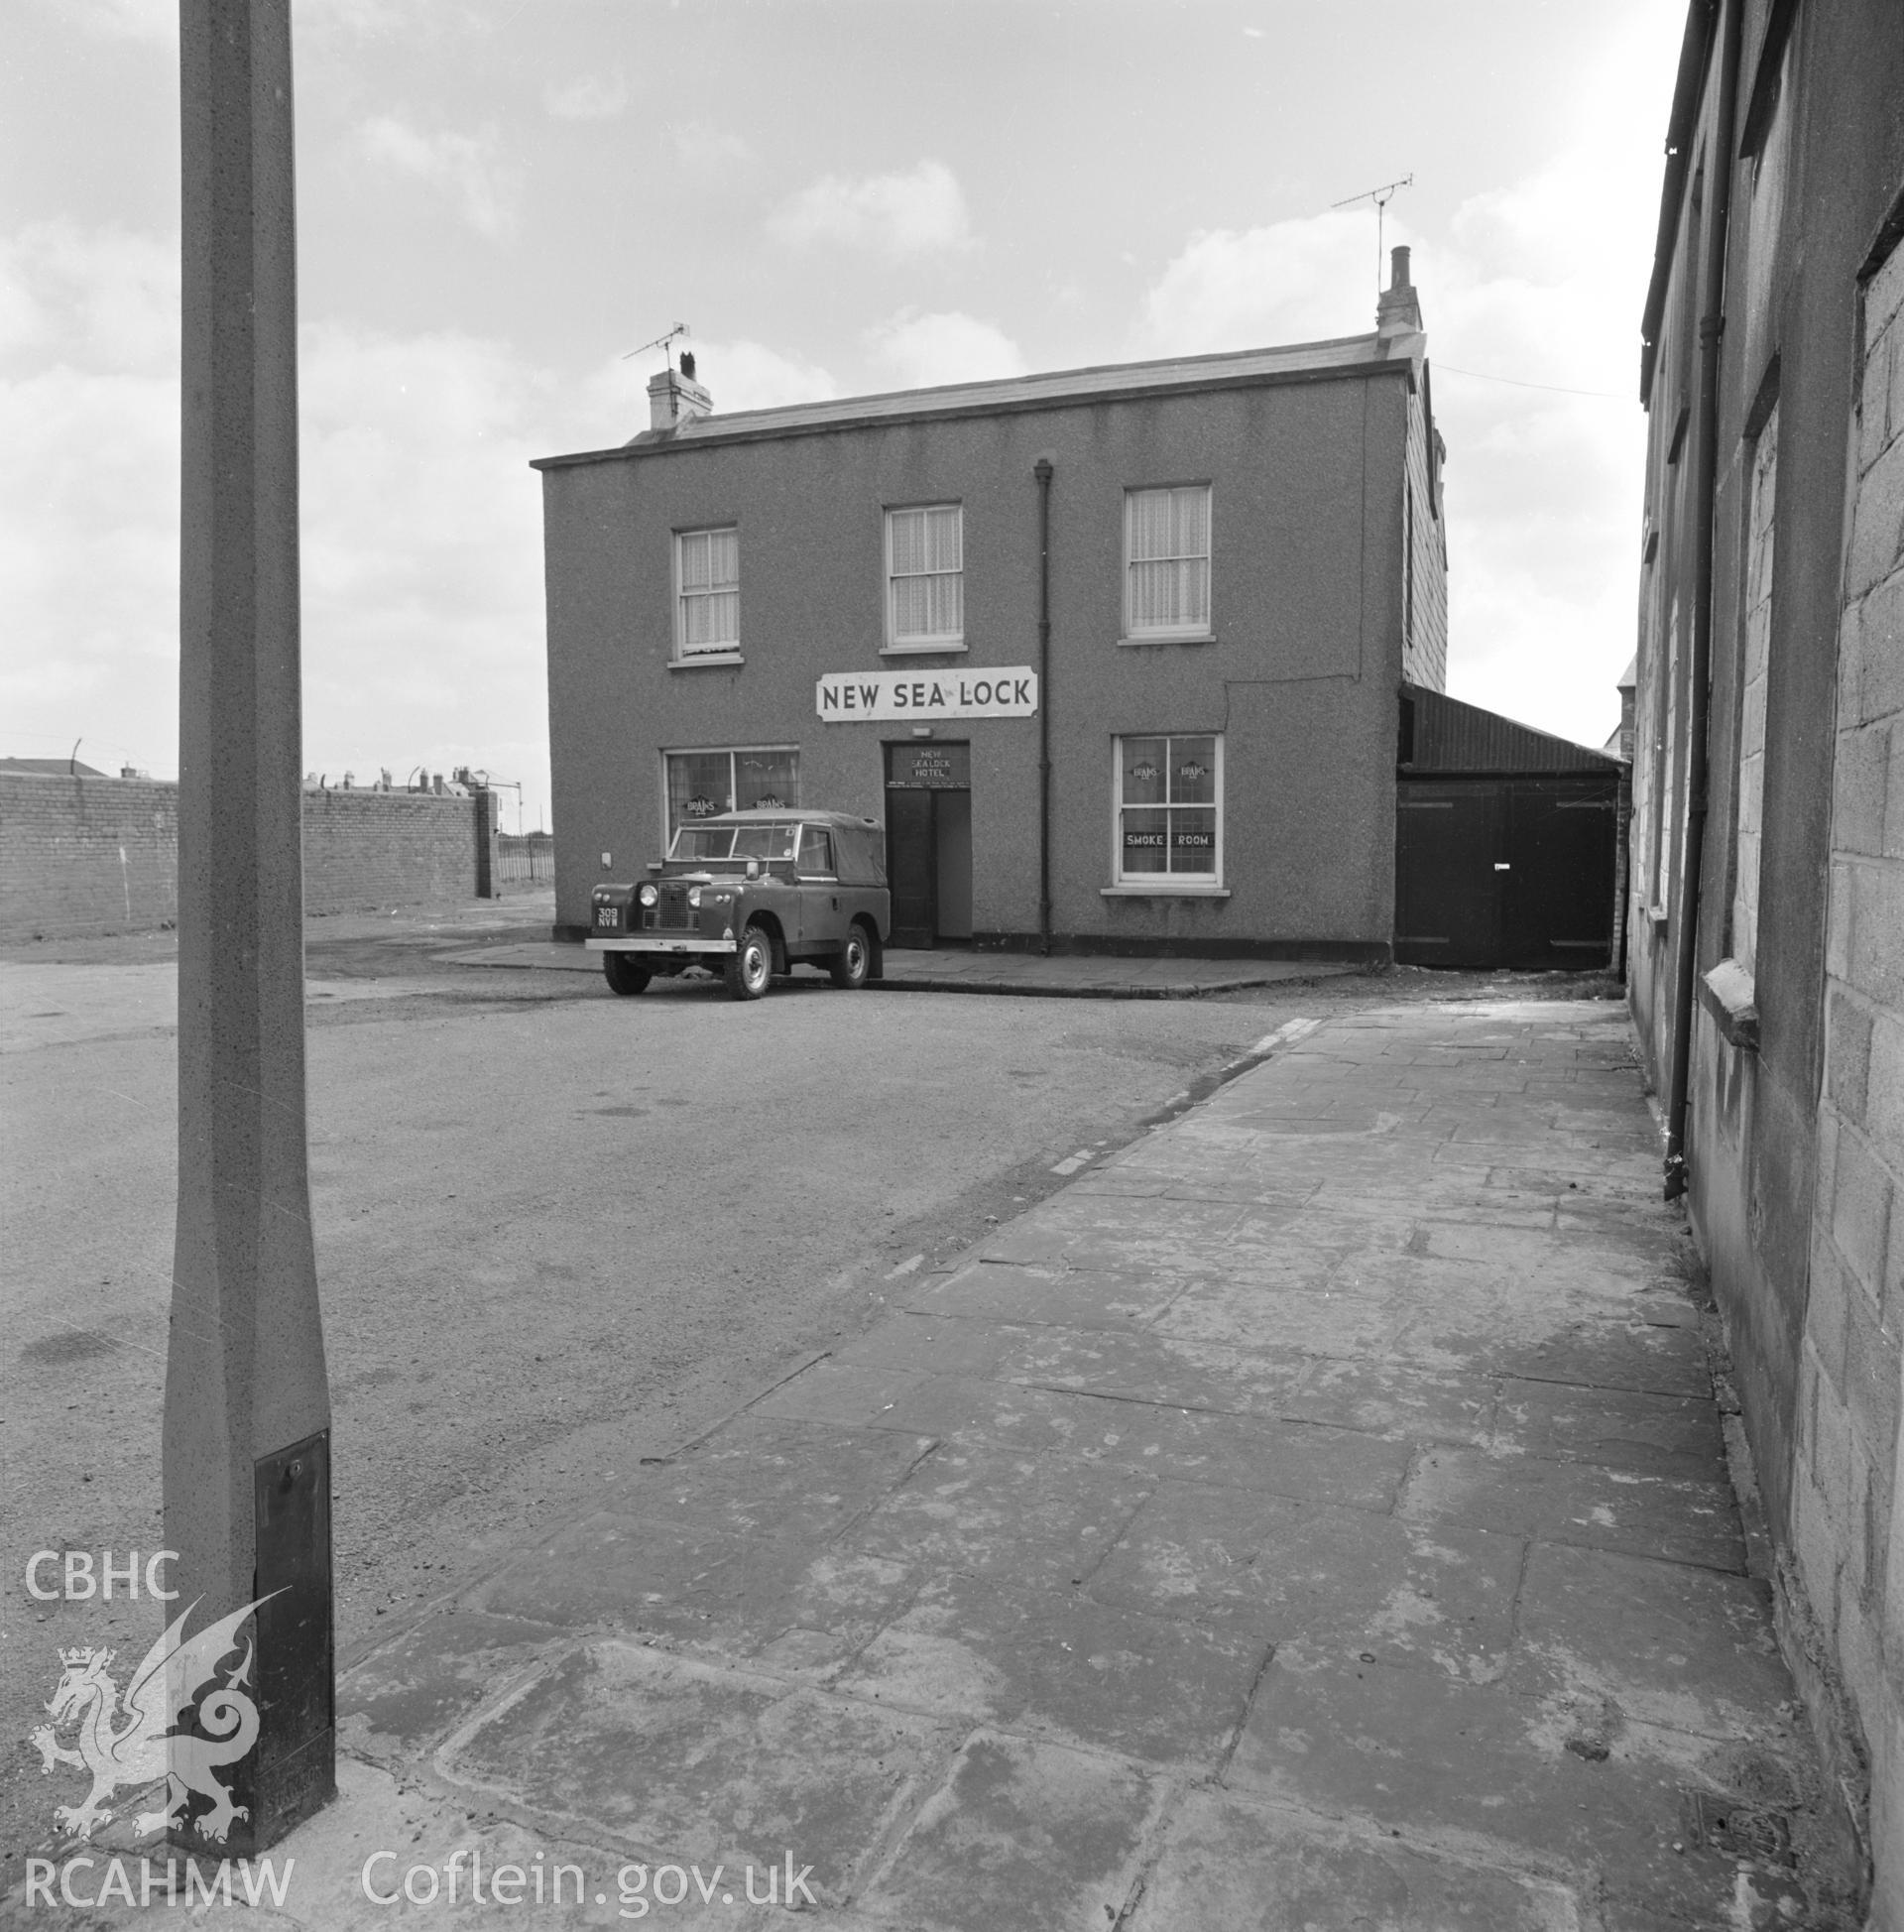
(608, 916)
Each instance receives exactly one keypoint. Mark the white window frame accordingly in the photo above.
(895, 645)
(1200, 630)
(727, 649)
(730, 752)
(1188, 885)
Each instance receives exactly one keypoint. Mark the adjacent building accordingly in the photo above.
(1766, 895)
(1114, 654)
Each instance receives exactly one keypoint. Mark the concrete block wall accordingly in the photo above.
(82, 856)
(1847, 1496)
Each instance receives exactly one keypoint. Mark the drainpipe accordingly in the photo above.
(1041, 469)
(1720, 165)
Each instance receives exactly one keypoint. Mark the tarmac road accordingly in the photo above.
(555, 1231)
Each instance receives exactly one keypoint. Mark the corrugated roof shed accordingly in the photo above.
(1450, 736)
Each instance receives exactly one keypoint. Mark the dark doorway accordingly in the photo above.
(1505, 872)
(929, 842)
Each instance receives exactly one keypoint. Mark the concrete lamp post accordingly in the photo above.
(246, 1411)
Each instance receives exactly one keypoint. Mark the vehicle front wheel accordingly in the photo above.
(750, 965)
(852, 964)
(624, 973)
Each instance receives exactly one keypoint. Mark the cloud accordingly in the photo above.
(1289, 281)
(90, 494)
(155, 22)
(590, 97)
(422, 539)
(421, 547)
(98, 298)
(893, 215)
(1541, 489)
(467, 167)
(923, 351)
(699, 144)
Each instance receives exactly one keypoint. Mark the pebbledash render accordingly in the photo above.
(1193, 586)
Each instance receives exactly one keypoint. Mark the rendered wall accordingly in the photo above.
(80, 856)
(1306, 605)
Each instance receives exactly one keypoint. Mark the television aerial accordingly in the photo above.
(660, 342)
(1380, 196)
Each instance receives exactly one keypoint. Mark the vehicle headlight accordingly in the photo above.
(648, 896)
(694, 897)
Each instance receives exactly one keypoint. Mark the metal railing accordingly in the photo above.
(525, 858)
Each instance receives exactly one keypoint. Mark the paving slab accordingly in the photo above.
(1473, 1767)
(1063, 1665)
(1439, 1596)
(733, 1767)
(1066, 1297)
(1021, 1833)
(1246, 1866)
(1682, 1518)
(1659, 1642)
(1155, 1367)
(1315, 1515)
(991, 1512)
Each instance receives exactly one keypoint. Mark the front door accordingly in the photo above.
(928, 841)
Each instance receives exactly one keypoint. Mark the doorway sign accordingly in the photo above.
(928, 768)
(883, 697)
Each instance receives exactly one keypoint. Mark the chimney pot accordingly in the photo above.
(674, 399)
(1399, 308)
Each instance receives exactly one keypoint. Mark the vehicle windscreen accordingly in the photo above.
(733, 844)
(764, 841)
(703, 842)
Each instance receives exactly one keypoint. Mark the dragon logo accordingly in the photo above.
(128, 1737)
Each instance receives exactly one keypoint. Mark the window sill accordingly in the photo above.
(1163, 892)
(1732, 1000)
(941, 647)
(1168, 637)
(705, 659)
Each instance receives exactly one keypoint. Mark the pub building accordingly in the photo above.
(1114, 654)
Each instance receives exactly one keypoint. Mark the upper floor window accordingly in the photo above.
(925, 578)
(707, 577)
(1166, 563)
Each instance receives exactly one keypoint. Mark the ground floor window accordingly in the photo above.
(1169, 810)
(700, 783)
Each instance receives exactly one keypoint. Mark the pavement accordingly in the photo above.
(1322, 1513)
(964, 970)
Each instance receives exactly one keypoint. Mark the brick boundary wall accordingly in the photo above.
(82, 856)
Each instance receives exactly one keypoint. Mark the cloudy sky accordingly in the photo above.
(498, 198)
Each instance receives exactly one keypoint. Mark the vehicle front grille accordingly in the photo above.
(671, 913)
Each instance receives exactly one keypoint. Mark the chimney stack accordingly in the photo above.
(674, 398)
(1398, 312)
